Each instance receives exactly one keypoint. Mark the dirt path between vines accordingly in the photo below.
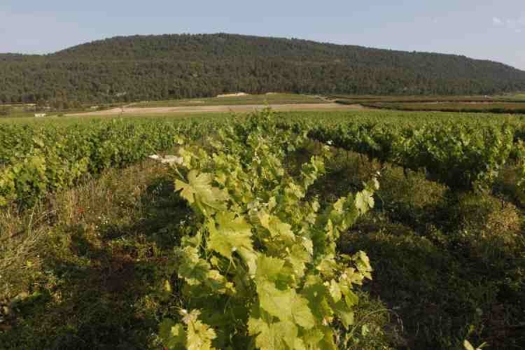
(231, 108)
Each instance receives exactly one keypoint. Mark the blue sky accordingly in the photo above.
(487, 29)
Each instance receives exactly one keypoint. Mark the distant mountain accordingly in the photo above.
(182, 66)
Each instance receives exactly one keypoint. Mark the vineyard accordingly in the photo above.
(296, 230)
(505, 104)
(52, 156)
(471, 107)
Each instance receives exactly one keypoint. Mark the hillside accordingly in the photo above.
(185, 66)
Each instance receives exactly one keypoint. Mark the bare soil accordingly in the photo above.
(231, 108)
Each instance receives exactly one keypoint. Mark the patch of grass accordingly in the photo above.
(93, 274)
(506, 186)
(485, 213)
(410, 198)
(449, 265)
(405, 196)
(375, 327)
(445, 287)
(519, 96)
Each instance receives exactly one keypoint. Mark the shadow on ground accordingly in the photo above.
(450, 265)
(101, 287)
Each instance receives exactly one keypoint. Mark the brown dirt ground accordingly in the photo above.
(231, 108)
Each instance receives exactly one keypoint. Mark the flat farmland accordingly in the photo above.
(118, 224)
(240, 108)
(235, 99)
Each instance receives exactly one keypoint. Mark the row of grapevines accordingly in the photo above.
(37, 159)
(260, 269)
(459, 150)
(460, 154)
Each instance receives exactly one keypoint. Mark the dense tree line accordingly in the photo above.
(184, 66)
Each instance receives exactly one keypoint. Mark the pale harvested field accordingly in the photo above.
(222, 109)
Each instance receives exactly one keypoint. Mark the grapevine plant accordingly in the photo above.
(460, 155)
(520, 152)
(35, 161)
(260, 269)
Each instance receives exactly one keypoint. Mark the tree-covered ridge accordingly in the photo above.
(185, 66)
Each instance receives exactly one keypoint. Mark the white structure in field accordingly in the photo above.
(40, 115)
(233, 95)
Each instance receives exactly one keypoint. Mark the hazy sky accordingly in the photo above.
(490, 29)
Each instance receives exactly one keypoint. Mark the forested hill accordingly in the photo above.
(181, 66)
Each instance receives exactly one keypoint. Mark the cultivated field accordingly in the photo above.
(236, 104)
(127, 111)
(269, 98)
(484, 107)
(506, 104)
(515, 97)
(271, 230)
(511, 104)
